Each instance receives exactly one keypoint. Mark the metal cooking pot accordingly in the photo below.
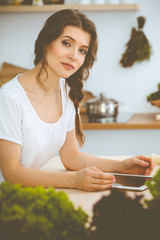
(102, 107)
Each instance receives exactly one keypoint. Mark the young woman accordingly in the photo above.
(39, 112)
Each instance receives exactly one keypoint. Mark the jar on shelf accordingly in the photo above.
(70, 2)
(113, 1)
(128, 1)
(53, 1)
(98, 1)
(37, 2)
(84, 2)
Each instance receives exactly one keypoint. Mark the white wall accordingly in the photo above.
(122, 142)
(18, 32)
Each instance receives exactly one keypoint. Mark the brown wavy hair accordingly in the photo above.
(52, 29)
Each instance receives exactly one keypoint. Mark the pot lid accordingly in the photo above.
(101, 99)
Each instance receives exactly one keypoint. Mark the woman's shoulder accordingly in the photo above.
(10, 89)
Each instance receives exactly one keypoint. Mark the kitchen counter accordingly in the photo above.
(137, 121)
(87, 199)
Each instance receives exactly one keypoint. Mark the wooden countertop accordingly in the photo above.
(137, 121)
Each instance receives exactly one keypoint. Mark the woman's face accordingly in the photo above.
(67, 53)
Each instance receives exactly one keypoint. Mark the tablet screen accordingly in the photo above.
(130, 182)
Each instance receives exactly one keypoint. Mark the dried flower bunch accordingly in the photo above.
(138, 47)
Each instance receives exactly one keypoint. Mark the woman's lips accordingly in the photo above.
(68, 65)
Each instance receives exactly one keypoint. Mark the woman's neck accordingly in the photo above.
(49, 85)
(49, 79)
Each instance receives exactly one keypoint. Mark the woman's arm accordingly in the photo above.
(15, 173)
(88, 179)
(73, 159)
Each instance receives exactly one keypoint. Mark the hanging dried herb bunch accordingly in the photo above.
(138, 47)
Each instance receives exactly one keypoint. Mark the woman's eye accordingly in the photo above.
(83, 51)
(66, 43)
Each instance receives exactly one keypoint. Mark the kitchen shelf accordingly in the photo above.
(56, 7)
(138, 121)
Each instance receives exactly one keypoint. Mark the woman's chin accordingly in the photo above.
(66, 75)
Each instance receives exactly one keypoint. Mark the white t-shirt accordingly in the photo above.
(19, 123)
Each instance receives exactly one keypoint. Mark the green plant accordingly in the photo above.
(154, 187)
(154, 203)
(155, 95)
(39, 214)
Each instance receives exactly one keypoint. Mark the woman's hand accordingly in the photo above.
(140, 165)
(93, 179)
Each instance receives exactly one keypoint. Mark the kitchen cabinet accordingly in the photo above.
(56, 7)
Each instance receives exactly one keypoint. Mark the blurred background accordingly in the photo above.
(18, 32)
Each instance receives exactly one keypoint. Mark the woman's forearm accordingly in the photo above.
(36, 177)
(79, 160)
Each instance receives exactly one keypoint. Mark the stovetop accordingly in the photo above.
(121, 118)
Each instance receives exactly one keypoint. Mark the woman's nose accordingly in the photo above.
(73, 54)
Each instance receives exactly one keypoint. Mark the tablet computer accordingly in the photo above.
(130, 182)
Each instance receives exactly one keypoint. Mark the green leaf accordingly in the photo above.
(39, 214)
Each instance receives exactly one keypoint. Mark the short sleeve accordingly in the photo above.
(10, 118)
(71, 117)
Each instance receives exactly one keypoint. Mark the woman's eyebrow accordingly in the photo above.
(74, 40)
